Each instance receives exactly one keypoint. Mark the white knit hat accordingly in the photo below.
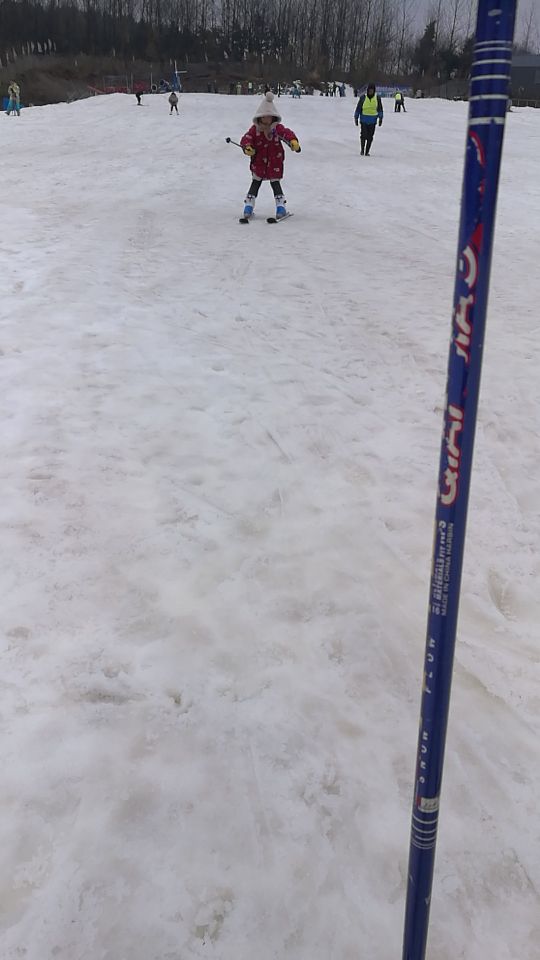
(266, 108)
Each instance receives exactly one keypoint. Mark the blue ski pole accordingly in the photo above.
(488, 101)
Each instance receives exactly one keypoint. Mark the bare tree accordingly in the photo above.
(435, 16)
(454, 12)
(470, 16)
(530, 33)
(404, 18)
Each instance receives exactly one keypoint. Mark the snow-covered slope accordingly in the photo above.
(219, 451)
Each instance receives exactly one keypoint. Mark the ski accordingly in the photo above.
(279, 219)
(268, 219)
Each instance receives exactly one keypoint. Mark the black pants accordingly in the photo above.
(398, 107)
(256, 185)
(174, 107)
(367, 132)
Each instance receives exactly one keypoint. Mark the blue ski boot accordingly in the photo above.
(249, 205)
(280, 208)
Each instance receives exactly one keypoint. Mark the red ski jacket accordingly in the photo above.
(267, 164)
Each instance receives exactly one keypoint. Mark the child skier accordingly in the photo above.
(173, 100)
(262, 143)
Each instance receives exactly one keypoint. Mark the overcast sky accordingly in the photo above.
(524, 9)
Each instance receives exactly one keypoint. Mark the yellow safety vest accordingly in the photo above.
(398, 96)
(370, 106)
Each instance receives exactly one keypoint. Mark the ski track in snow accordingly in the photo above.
(219, 460)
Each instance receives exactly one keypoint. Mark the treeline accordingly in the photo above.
(326, 38)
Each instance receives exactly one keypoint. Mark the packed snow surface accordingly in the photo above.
(220, 448)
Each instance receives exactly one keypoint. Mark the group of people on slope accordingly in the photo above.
(173, 101)
(263, 144)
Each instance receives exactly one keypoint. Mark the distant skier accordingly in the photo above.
(173, 100)
(14, 103)
(262, 144)
(399, 102)
(369, 110)
(138, 95)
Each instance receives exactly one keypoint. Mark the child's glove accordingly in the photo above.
(294, 145)
(380, 121)
(249, 151)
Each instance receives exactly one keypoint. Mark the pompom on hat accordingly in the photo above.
(266, 108)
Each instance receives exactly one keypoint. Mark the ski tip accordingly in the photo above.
(278, 219)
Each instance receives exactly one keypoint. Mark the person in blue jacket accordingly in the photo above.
(14, 94)
(369, 111)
